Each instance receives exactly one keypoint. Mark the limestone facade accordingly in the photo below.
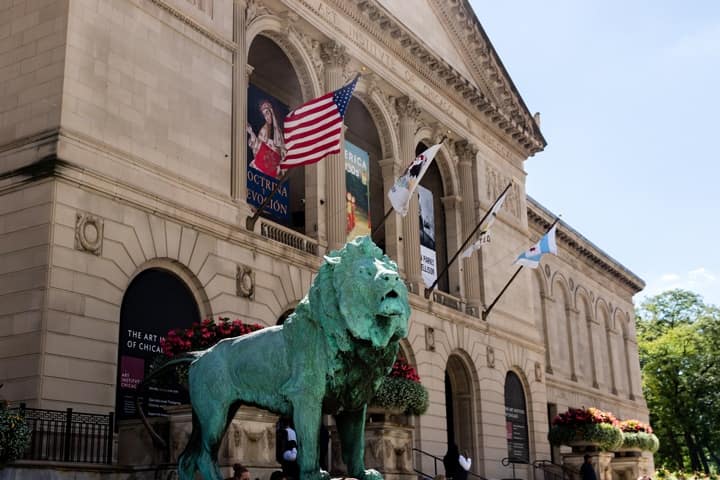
(122, 149)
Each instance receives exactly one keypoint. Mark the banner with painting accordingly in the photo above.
(265, 150)
(357, 173)
(428, 257)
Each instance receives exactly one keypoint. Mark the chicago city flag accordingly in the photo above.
(313, 130)
(531, 257)
(485, 229)
(402, 191)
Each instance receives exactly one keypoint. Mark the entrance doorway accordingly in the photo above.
(459, 401)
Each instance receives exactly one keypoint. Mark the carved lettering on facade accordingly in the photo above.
(205, 6)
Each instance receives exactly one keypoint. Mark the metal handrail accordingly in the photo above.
(547, 466)
(435, 461)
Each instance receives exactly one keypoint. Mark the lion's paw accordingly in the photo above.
(371, 474)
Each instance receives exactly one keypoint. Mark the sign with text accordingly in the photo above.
(428, 256)
(516, 426)
(155, 302)
(357, 201)
(265, 150)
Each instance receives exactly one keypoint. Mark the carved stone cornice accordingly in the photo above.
(498, 100)
(407, 108)
(212, 36)
(333, 54)
(255, 9)
(541, 218)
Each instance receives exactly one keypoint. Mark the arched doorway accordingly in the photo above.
(155, 302)
(459, 405)
(518, 442)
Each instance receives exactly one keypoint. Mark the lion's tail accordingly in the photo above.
(170, 364)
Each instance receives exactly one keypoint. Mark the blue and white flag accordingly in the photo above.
(531, 257)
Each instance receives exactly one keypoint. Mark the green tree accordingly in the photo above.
(679, 341)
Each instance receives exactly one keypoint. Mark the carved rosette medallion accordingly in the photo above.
(245, 282)
(88, 233)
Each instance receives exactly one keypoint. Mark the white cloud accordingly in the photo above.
(699, 280)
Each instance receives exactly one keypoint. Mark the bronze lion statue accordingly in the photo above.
(329, 356)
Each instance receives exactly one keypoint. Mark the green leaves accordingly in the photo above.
(678, 342)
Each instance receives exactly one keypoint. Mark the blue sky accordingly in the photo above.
(629, 102)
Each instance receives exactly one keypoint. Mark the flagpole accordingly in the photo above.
(429, 290)
(250, 221)
(390, 210)
(487, 311)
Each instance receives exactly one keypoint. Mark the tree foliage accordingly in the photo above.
(679, 342)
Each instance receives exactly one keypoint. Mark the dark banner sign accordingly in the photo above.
(265, 150)
(156, 301)
(516, 420)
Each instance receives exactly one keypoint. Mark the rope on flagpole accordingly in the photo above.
(487, 311)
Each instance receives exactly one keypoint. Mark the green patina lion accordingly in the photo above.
(330, 356)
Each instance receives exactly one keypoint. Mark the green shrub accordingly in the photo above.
(644, 441)
(607, 436)
(14, 435)
(403, 394)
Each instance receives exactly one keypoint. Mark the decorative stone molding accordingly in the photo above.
(539, 217)
(88, 233)
(430, 339)
(333, 54)
(231, 46)
(255, 9)
(465, 151)
(312, 48)
(490, 357)
(496, 183)
(205, 6)
(538, 372)
(547, 271)
(498, 100)
(407, 108)
(245, 282)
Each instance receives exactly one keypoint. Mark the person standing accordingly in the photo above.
(587, 471)
(456, 465)
(240, 473)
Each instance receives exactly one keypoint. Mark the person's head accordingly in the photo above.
(241, 472)
(267, 111)
(587, 458)
(278, 475)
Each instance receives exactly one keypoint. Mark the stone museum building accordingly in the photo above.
(137, 137)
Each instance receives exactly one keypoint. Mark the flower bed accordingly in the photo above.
(401, 390)
(586, 427)
(638, 436)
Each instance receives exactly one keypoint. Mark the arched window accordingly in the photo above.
(516, 424)
(459, 401)
(273, 90)
(155, 302)
(433, 239)
(363, 177)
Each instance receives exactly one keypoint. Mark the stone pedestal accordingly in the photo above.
(388, 447)
(250, 440)
(601, 462)
(630, 465)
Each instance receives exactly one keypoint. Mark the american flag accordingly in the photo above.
(313, 130)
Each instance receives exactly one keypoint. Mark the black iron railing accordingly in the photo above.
(68, 436)
(438, 461)
(553, 471)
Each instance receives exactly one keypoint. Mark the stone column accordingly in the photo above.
(241, 76)
(471, 266)
(408, 114)
(334, 57)
(626, 343)
(453, 231)
(390, 169)
(571, 316)
(591, 343)
(601, 462)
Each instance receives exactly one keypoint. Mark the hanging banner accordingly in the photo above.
(265, 150)
(428, 257)
(516, 425)
(357, 199)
